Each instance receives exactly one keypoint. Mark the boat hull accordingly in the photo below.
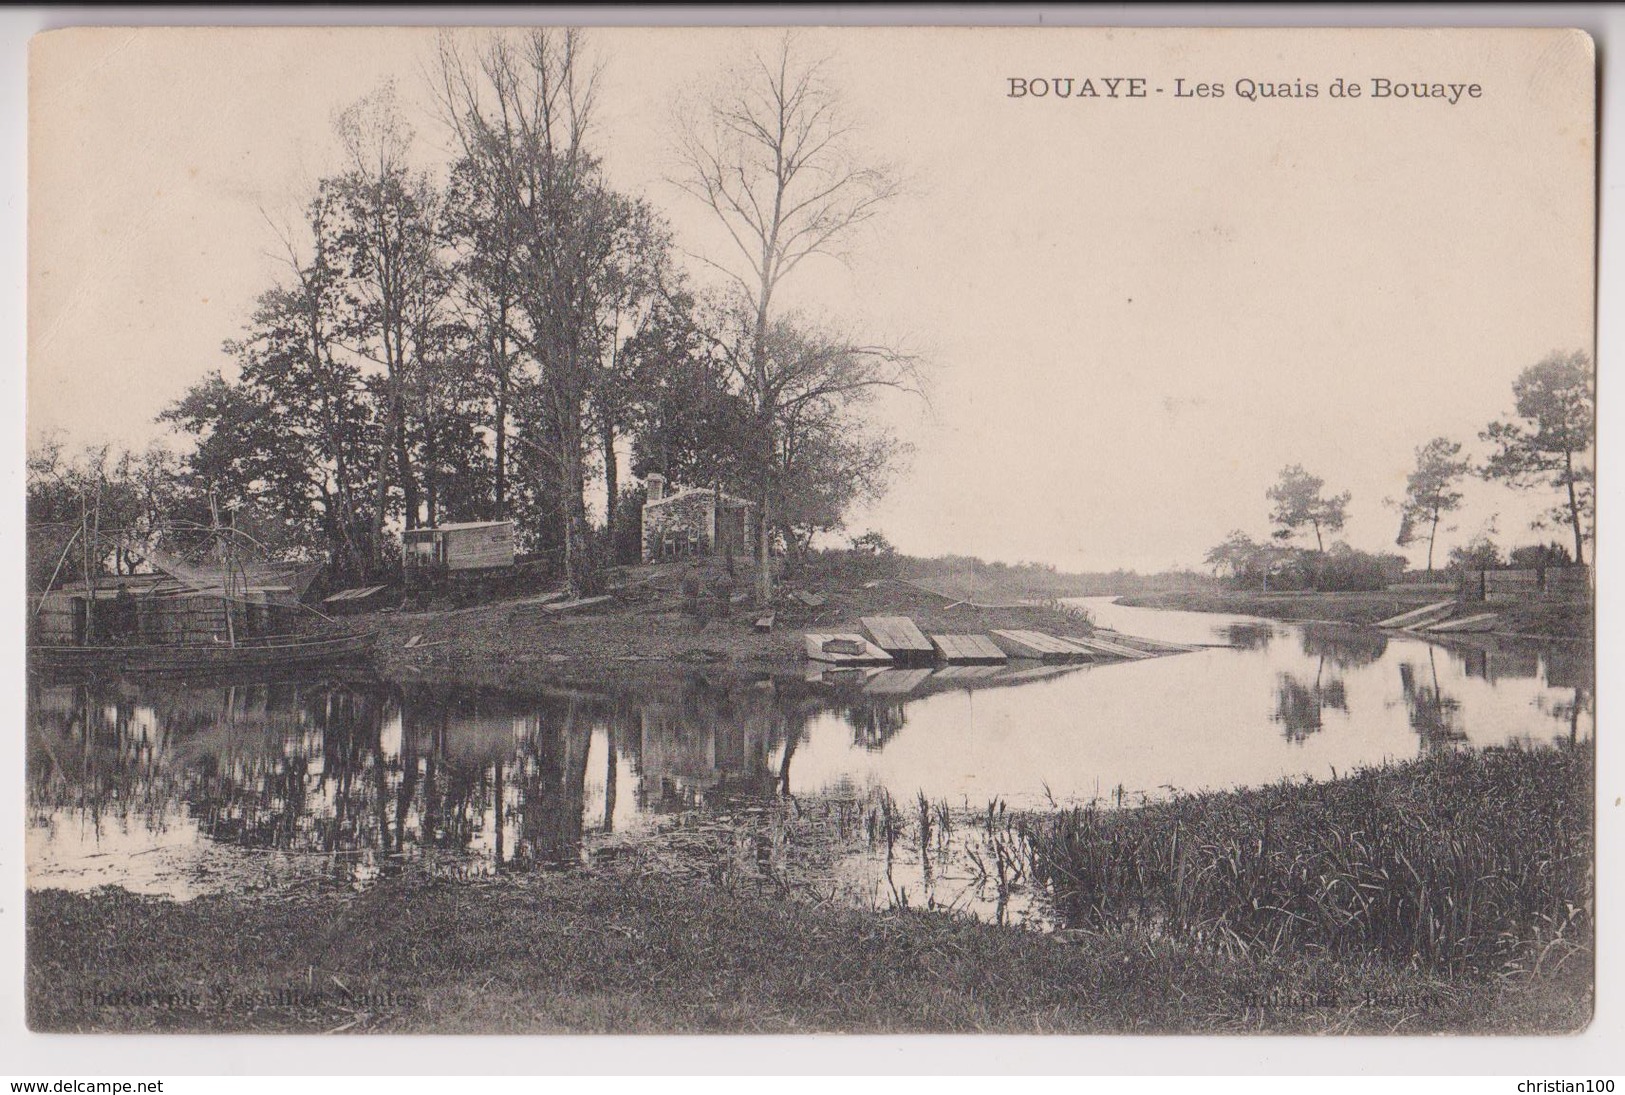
(199, 657)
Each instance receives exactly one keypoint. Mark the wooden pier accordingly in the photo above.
(844, 649)
(1110, 649)
(1039, 646)
(1419, 617)
(1484, 621)
(900, 637)
(968, 650)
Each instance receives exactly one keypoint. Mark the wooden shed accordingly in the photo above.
(471, 545)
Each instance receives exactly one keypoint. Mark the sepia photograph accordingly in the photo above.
(761, 530)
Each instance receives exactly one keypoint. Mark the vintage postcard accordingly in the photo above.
(871, 530)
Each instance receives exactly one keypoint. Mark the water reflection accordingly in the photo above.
(179, 789)
(1343, 647)
(1250, 634)
(365, 777)
(1300, 703)
(1434, 715)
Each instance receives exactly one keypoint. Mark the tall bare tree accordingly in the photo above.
(771, 156)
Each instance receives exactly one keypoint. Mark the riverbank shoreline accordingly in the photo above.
(628, 945)
(647, 628)
(1536, 620)
(587, 953)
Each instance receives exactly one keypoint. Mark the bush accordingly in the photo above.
(1479, 554)
(1345, 569)
(1540, 556)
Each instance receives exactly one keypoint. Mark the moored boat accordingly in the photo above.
(271, 652)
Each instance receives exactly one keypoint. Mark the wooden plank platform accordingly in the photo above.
(896, 682)
(899, 637)
(1113, 650)
(811, 600)
(1038, 645)
(872, 654)
(1484, 621)
(1420, 617)
(1142, 643)
(968, 650)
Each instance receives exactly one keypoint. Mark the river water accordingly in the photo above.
(181, 789)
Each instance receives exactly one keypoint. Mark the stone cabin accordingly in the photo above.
(688, 522)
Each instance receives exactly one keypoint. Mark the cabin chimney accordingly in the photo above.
(657, 486)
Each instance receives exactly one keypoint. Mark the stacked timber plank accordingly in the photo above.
(898, 641)
(968, 650)
(1484, 621)
(1136, 642)
(1039, 646)
(1419, 617)
(844, 649)
(1110, 649)
(900, 637)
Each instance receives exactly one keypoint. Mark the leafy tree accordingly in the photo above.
(635, 281)
(1481, 553)
(1300, 502)
(827, 463)
(389, 232)
(1548, 439)
(1241, 559)
(521, 109)
(1430, 492)
(690, 423)
(1532, 556)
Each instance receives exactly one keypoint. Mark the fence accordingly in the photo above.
(1530, 584)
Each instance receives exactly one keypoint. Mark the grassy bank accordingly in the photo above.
(1163, 941)
(647, 627)
(1457, 863)
(1543, 619)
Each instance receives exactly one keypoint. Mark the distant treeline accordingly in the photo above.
(1544, 444)
(872, 556)
(1029, 581)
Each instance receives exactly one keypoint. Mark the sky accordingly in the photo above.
(1134, 312)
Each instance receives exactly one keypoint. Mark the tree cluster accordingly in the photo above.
(485, 338)
(1546, 442)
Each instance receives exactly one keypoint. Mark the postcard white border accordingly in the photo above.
(1595, 1052)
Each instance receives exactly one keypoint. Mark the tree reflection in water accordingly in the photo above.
(1250, 636)
(366, 777)
(874, 724)
(1434, 715)
(1300, 704)
(1344, 647)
